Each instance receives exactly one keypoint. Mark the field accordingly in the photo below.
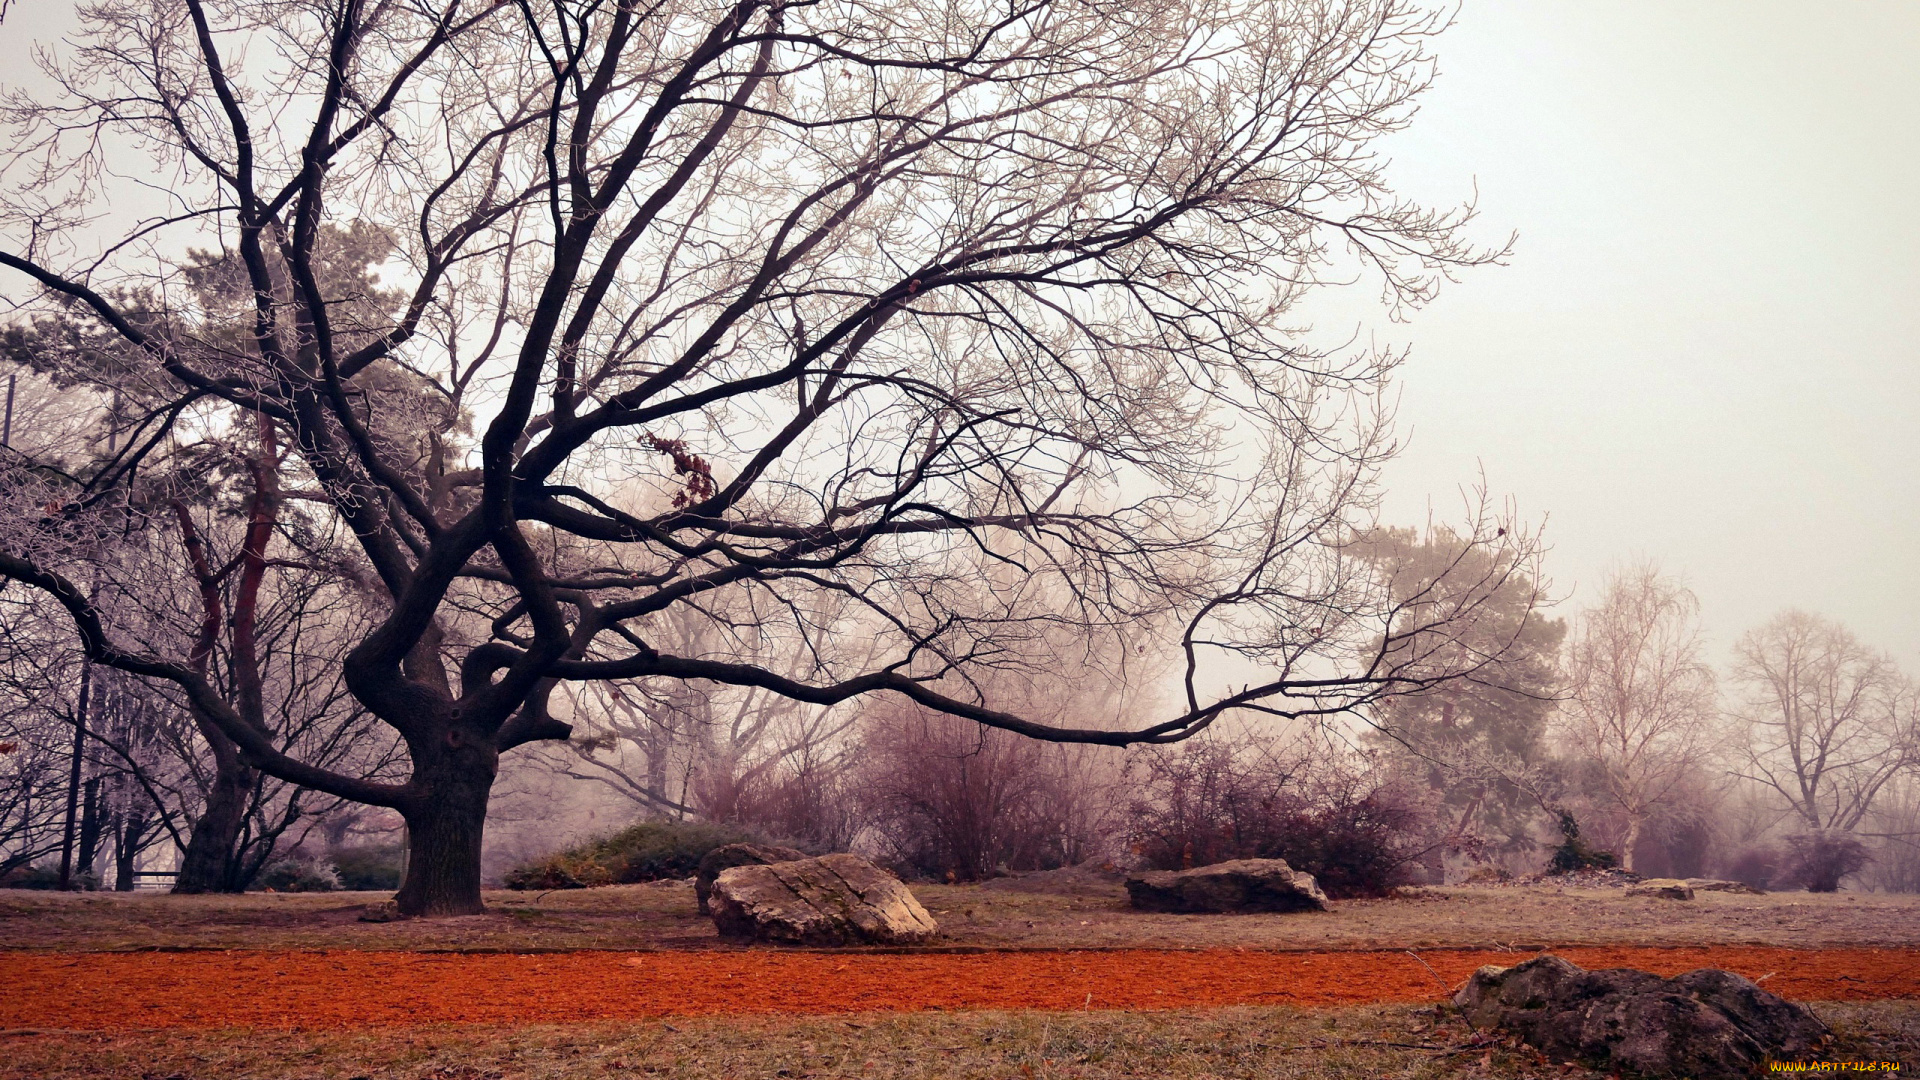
(1038, 977)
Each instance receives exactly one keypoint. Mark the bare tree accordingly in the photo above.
(1827, 723)
(1641, 701)
(774, 299)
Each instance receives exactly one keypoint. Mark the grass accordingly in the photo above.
(663, 915)
(1308, 1044)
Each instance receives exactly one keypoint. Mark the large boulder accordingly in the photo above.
(1662, 888)
(728, 856)
(1703, 1024)
(1241, 885)
(1716, 885)
(832, 900)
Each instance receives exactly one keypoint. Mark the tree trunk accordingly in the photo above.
(1634, 825)
(210, 848)
(89, 833)
(444, 831)
(126, 849)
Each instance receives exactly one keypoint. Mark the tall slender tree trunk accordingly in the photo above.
(1635, 824)
(126, 848)
(89, 830)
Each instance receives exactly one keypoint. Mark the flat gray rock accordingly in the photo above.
(836, 899)
(1703, 1024)
(1242, 885)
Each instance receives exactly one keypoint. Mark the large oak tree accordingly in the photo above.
(765, 309)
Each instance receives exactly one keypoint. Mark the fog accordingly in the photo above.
(1703, 349)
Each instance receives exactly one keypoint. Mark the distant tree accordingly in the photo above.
(1476, 742)
(1641, 702)
(1824, 723)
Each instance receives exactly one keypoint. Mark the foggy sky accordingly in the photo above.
(1703, 351)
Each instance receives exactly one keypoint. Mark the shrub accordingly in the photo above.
(298, 873)
(1818, 860)
(30, 877)
(1756, 865)
(1357, 845)
(367, 867)
(1355, 830)
(1574, 853)
(648, 851)
(950, 799)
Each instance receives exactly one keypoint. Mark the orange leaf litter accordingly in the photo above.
(352, 989)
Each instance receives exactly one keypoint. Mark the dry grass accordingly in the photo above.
(1088, 915)
(1402, 1041)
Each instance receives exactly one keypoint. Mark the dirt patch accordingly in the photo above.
(352, 989)
(1058, 911)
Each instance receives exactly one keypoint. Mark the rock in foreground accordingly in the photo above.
(728, 856)
(1703, 1024)
(832, 900)
(1242, 885)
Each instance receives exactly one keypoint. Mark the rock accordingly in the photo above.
(728, 856)
(1241, 885)
(832, 900)
(1712, 885)
(384, 911)
(1591, 878)
(1664, 888)
(1703, 1024)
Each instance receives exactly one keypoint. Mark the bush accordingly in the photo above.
(1757, 866)
(1819, 860)
(367, 867)
(1574, 853)
(648, 851)
(1357, 832)
(30, 877)
(298, 873)
(950, 799)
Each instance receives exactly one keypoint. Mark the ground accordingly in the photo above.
(151, 986)
(1085, 915)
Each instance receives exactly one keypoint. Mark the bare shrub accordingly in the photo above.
(953, 799)
(804, 804)
(1820, 859)
(1756, 865)
(1355, 828)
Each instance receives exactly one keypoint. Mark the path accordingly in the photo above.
(352, 989)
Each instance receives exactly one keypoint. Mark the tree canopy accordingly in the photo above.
(793, 315)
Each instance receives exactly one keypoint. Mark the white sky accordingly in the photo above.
(1704, 350)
